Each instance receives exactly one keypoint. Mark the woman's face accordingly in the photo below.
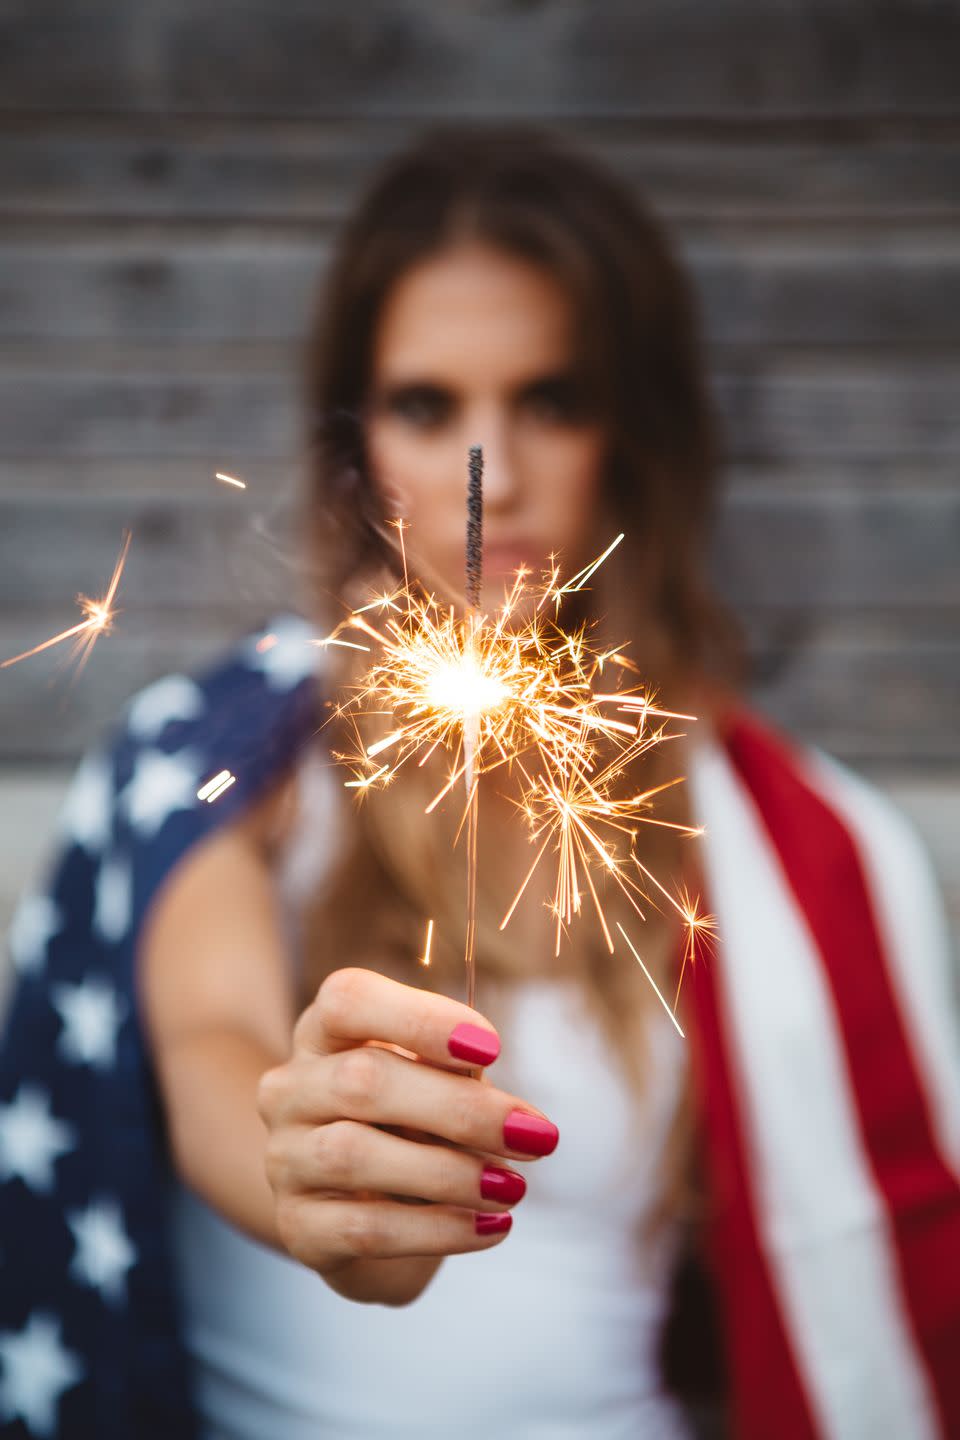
(475, 347)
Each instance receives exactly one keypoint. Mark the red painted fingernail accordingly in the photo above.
(470, 1042)
(529, 1133)
(503, 1185)
(487, 1224)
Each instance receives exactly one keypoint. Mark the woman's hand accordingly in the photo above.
(356, 1202)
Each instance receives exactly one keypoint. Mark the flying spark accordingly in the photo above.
(215, 787)
(98, 618)
(427, 944)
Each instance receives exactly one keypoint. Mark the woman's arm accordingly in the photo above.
(219, 1007)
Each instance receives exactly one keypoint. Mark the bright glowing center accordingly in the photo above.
(463, 687)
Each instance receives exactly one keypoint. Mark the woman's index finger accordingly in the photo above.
(354, 1005)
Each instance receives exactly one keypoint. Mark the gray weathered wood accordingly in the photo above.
(756, 288)
(175, 479)
(887, 705)
(833, 552)
(815, 553)
(296, 173)
(814, 409)
(113, 415)
(417, 58)
(783, 410)
(169, 187)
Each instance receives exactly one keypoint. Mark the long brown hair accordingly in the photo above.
(637, 340)
(521, 191)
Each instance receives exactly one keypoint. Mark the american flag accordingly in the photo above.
(822, 1032)
(90, 1339)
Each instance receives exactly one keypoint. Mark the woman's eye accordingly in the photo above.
(556, 401)
(420, 406)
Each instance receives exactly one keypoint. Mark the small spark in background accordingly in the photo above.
(363, 782)
(98, 618)
(427, 944)
(231, 480)
(653, 982)
(215, 787)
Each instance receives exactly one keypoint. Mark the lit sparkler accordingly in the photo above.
(517, 693)
(98, 617)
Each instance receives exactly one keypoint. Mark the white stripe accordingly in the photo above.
(822, 1222)
(916, 937)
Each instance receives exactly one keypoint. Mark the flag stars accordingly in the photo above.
(87, 814)
(113, 898)
(104, 1250)
(91, 1015)
(36, 920)
(160, 785)
(284, 655)
(37, 1368)
(175, 697)
(32, 1139)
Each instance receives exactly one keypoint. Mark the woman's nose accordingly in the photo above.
(500, 488)
(501, 480)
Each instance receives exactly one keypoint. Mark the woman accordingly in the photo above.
(236, 1100)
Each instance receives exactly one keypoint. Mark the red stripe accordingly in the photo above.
(824, 869)
(766, 1395)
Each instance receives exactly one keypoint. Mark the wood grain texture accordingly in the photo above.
(418, 59)
(171, 185)
(816, 554)
(775, 409)
(293, 174)
(755, 289)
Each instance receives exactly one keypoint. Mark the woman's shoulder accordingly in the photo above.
(267, 668)
(190, 753)
(221, 730)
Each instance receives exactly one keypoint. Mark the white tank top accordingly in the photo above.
(551, 1333)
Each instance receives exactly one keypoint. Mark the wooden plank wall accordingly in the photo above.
(171, 175)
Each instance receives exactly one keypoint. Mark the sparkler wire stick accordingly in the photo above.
(474, 576)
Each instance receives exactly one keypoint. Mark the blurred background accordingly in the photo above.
(171, 176)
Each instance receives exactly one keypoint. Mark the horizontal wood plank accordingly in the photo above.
(311, 174)
(829, 553)
(416, 58)
(776, 411)
(755, 289)
(115, 415)
(878, 705)
(778, 552)
(172, 480)
(171, 184)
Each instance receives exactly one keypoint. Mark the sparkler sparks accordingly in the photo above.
(231, 480)
(98, 617)
(514, 692)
